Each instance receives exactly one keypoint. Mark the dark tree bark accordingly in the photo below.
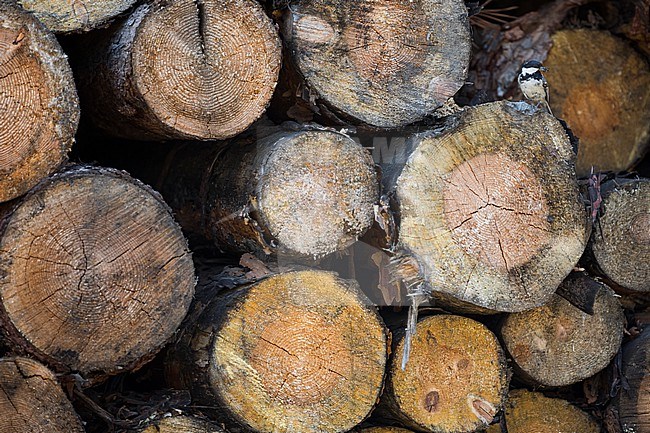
(383, 430)
(183, 424)
(634, 22)
(634, 399)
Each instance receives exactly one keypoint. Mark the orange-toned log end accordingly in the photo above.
(96, 273)
(632, 404)
(182, 424)
(621, 240)
(67, 16)
(528, 412)
(31, 400)
(601, 86)
(490, 200)
(39, 110)
(455, 379)
(385, 63)
(490, 207)
(301, 351)
(558, 344)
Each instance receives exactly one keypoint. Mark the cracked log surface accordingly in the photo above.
(188, 69)
(387, 64)
(490, 209)
(621, 240)
(306, 193)
(632, 404)
(527, 412)
(31, 400)
(608, 110)
(95, 274)
(558, 344)
(39, 109)
(296, 352)
(455, 380)
(65, 16)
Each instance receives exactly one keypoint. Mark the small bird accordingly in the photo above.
(533, 84)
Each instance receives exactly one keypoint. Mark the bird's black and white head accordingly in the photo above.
(531, 67)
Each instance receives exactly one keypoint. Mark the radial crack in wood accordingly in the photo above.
(186, 69)
(490, 209)
(96, 274)
(31, 400)
(296, 352)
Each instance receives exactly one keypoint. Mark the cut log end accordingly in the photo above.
(65, 16)
(307, 193)
(476, 195)
(296, 349)
(39, 107)
(304, 358)
(533, 412)
(387, 64)
(455, 379)
(558, 344)
(490, 208)
(621, 240)
(97, 275)
(191, 69)
(318, 192)
(31, 400)
(608, 110)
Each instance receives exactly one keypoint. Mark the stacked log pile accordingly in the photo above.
(323, 216)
